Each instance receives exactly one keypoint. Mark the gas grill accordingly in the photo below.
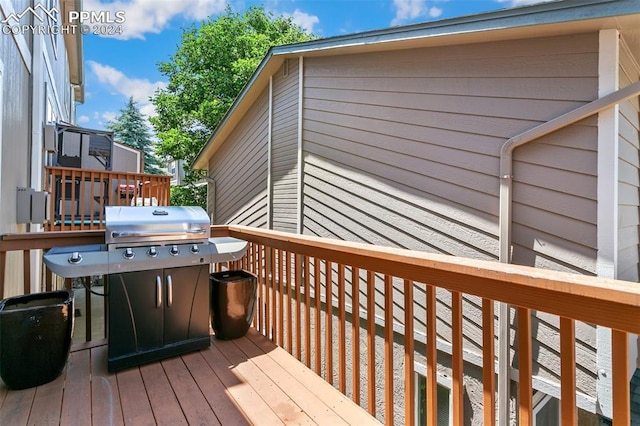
(156, 266)
(144, 238)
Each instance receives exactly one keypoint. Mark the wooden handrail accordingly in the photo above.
(606, 302)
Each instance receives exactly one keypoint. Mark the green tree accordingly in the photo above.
(210, 67)
(130, 128)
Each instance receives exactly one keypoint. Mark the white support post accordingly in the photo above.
(269, 135)
(607, 236)
(300, 147)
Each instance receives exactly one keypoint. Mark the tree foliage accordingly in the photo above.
(210, 67)
(130, 128)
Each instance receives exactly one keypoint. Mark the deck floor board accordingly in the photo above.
(241, 382)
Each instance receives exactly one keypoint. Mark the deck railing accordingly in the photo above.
(314, 294)
(300, 276)
(77, 197)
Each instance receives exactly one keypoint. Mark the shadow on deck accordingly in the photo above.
(243, 381)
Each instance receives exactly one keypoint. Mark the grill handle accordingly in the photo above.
(124, 234)
(169, 291)
(158, 291)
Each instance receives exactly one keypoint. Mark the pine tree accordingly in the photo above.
(130, 128)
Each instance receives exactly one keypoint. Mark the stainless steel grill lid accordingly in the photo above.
(143, 225)
(144, 238)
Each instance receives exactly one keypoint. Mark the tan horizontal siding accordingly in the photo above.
(628, 171)
(240, 170)
(402, 149)
(284, 146)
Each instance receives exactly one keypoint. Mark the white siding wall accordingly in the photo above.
(16, 136)
(239, 169)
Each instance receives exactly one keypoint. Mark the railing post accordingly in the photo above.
(621, 390)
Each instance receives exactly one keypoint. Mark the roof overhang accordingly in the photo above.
(541, 20)
(73, 45)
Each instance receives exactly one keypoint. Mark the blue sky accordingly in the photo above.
(127, 64)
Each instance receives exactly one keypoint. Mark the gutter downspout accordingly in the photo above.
(506, 183)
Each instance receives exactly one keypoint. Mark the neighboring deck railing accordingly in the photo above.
(77, 197)
(303, 286)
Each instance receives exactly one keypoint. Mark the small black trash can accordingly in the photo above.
(35, 337)
(233, 296)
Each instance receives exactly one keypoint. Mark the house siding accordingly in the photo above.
(401, 148)
(239, 169)
(284, 148)
(629, 172)
(15, 141)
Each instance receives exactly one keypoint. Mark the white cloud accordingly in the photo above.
(514, 3)
(83, 119)
(434, 12)
(152, 16)
(109, 116)
(407, 10)
(140, 89)
(303, 19)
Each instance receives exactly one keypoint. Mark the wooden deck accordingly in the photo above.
(243, 381)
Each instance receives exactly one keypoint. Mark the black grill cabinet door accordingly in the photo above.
(135, 314)
(186, 313)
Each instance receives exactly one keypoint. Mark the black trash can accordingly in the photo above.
(233, 296)
(35, 337)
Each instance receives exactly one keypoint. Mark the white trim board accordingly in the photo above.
(21, 42)
(607, 234)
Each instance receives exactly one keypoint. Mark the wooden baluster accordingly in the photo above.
(316, 295)
(568, 372)
(307, 311)
(525, 391)
(3, 268)
(457, 358)
(298, 297)
(280, 299)
(355, 333)
(431, 399)
(409, 375)
(273, 283)
(342, 332)
(82, 187)
(371, 343)
(26, 267)
(87, 307)
(488, 362)
(48, 276)
(75, 189)
(388, 350)
(328, 286)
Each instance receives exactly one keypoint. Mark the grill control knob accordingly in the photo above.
(128, 253)
(194, 249)
(152, 252)
(75, 258)
(174, 250)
